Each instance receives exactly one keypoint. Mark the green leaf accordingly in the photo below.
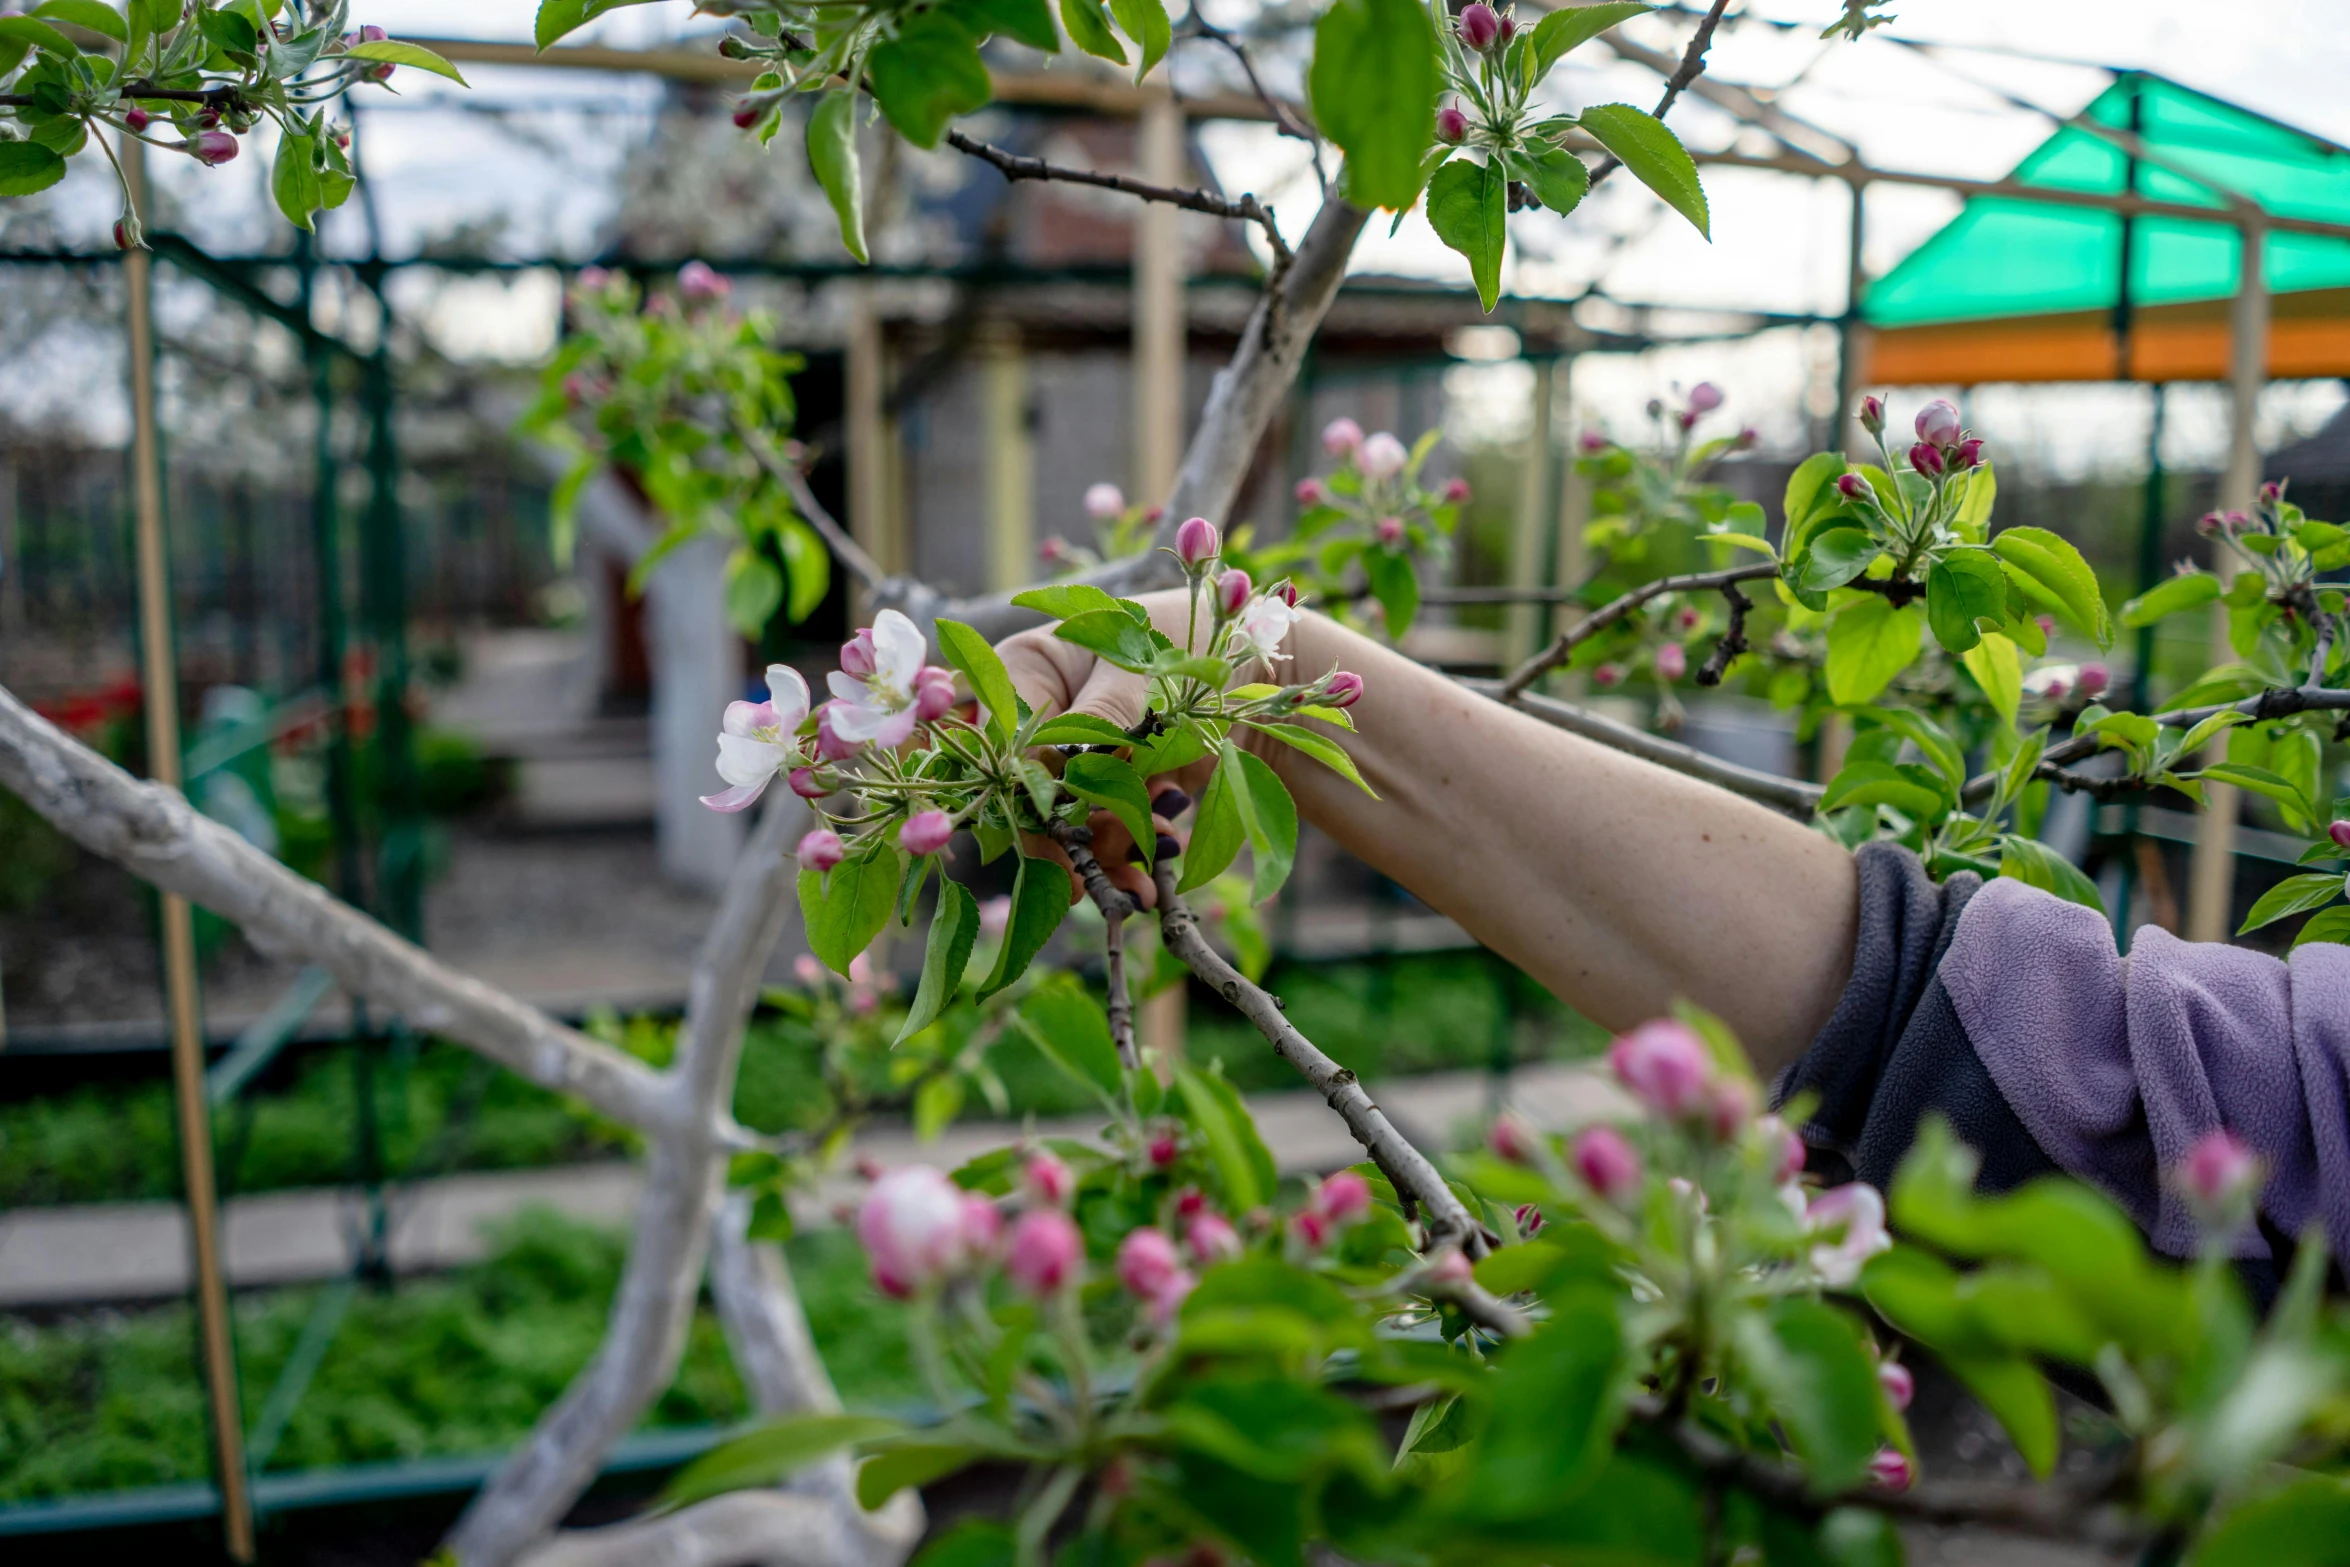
(1069, 1026)
(1654, 155)
(2036, 865)
(1834, 556)
(2293, 895)
(1558, 178)
(1373, 84)
(2019, 1398)
(1117, 788)
(1468, 206)
(1080, 729)
(1883, 783)
(1111, 634)
(1557, 1400)
(1089, 30)
(88, 14)
(1396, 585)
(1062, 600)
(1572, 25)
(1024, 21)
(1321, 748)
(1243, 1166)
(1869, 642)
(1998, 671)
(1216, 832)
(832, 156)
(293, 179)
(27, 166)
(40, 35)
(1808, 1358)
(754, 591)
(892, 1469)
(2332, 925)
(953, 931)
(1040, 901)
(771, 1454)
(968, 651)
(2257, 779)
(844, 910)
(393, 51)
(807, 566)
(1810, 488)
(2193, 590)
(1268, 816)
(2301, 1524)
(926, 75)
(2052, 563)
(1145, 21)
(1964, 586)
(1974, 512)
(1930, 738)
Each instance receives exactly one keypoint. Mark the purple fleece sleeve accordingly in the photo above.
(2117, 1065)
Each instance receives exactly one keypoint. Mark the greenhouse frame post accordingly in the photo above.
(160, 682)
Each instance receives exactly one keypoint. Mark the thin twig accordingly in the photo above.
(1608, 614)
(836, 538)
(1286, 120)
(2275, 702)
(1115, 906)
(1733, 640)
(1016, 166)
(1692, 62)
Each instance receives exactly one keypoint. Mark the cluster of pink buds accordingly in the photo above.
(919, 1229)
(1336, 1203)
(701, 284)
(1044, 1253)
(1483, 29)
(1943, 445)
(1153, 1272)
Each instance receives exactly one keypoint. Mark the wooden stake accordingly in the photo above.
(161, 682)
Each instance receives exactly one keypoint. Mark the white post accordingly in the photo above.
(1534, 491)
(698, 668)
(1009, 455)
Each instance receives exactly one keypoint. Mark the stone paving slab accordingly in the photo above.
(87, 1253)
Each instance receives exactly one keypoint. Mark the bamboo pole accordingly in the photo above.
(1527, 550)
(2211, 875)
(161, 693)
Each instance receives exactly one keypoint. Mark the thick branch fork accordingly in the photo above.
(1017, 166)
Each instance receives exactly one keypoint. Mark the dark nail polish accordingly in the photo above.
(1171, 803)
(1165, 846)
(1134, 854)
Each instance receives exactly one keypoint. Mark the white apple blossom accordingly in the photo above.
(1260, 628)
(757, 740)
(1382, 456)
(1850, 1223)
(878, 709)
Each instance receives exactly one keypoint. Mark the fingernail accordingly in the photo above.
(1165, 846)
(1171, 803)
(1134, 855)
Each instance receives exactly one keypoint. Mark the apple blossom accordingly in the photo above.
(1890, 1471)
(1212, 1238)
(699, 283)
(1048, 1180)
(1851, 1223)
(912, 1226)
(1672, 661)
(1104, 501)
(926, 832)
(1729, 1104)
(1786, 1149)
(1607, 1163)
(1232, 591)
(830, 746)
(934, 693)
(1196, 542)
(1900, 1387)
(1390, 530)
(1309, 492)
(1605, 675)
(1480, 26)
(756, 740)
(877, 708)
(1665, 1065)
(212, 147)
(1450, 1269)
(1147, 1262)
(1341, 436)
(1043, 1252)
(1456, 492)
(1510, 1138)
(2220, 1177)
(1938, 424)
(1172, 1295)
(809, 784)
(1343, 689)
(1382, 456)
(1343, 1198)
(1704, 397)
(821, 850)
(1261, 629)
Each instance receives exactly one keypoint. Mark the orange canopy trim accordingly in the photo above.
(2309, 335)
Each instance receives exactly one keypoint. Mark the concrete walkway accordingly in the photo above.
(120, 1252)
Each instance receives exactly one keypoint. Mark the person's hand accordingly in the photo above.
(1055, 677)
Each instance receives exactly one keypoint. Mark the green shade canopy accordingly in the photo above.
(2000, 257)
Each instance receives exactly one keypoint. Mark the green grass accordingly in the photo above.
(454, 1365)
(441, 1108)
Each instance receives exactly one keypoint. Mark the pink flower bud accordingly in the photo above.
(747, 113)
(1785, 1148)
(697, 282)
(1605, 675)
(2339, 831)
(1966, 454)
(1889, 1471)
(593, 279)
(1390, 531)
(1382, 456)
(2092, 679)
(1162, 1150)
(830, 747)
(1309, 492)
(821, 850)
(1344, 1197)
(1665, 1065)
(1456, 492)
(1592, 441)
(1672, 661)
(1344, 689)
(1048, 1180)
(1927, 460)
(1748, 438)
(2220, 1177)
(2271, 493)
(137, 118)
(1854, 488)
(1685, 619)
(809, 784)
(2236, 522)
(372, 34)
(123, 239)
(1147, 1262)
(1232, 591)
(934, 693)
(1449, 1270)
(2209, 524)
(1900, 1387)
(1213, 1239)
(1480, 26)
(912, 1228)
(1530, 1220)
(1704, 398)
(1152, 514)
(807, 970)
(1286, 591)
(926, 832)
(1729, 1104)
(1044, 1252)
(982, 1233)
(1104, 501)
(213, 147)
(1196, 542)
(1937, 423)
(1607, 1163)
(1172, 1295)
(1312, 1228)
(1510, 1138)
(1686, 419)
(1053, 551)
(1452, 126)
(858, 659)
(1872, 414)
(1190, 1203)
(1341, 436)
(1509, 27)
